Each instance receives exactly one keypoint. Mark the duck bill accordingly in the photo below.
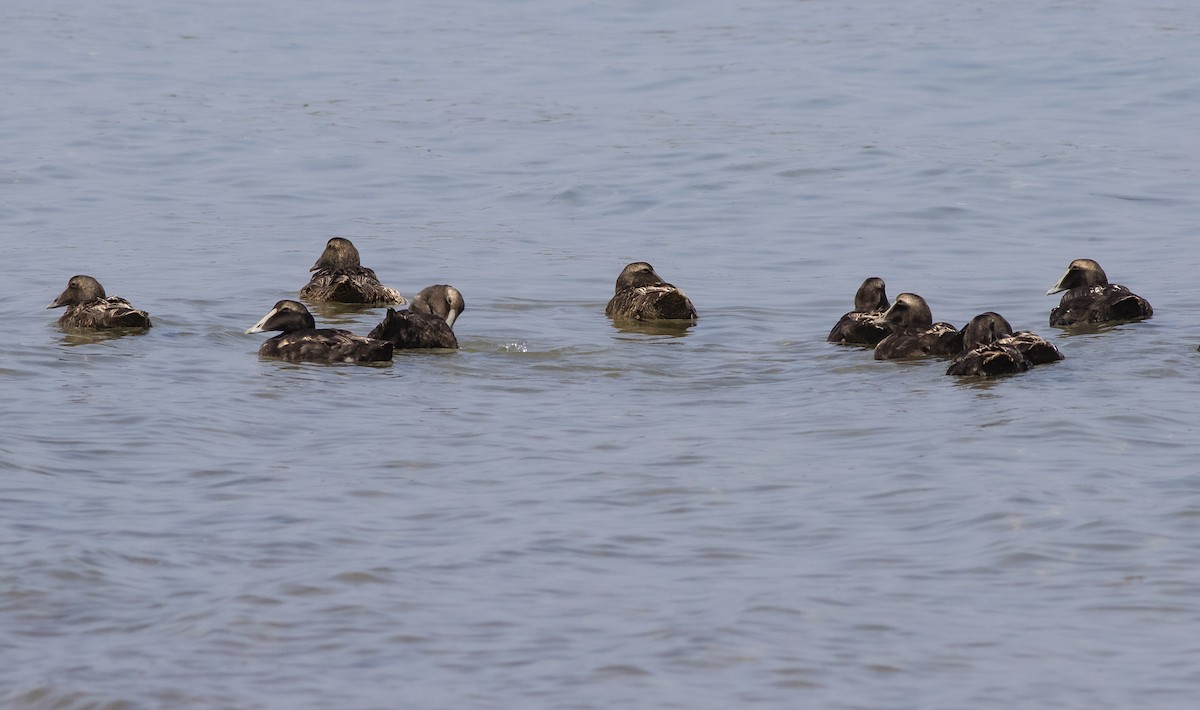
(258, 327)
(58, 302)
(1059, 287)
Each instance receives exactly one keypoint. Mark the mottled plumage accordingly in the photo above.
(341, 278)
(986, 351)
(301, 341)
(427, 323)
(861, 326)
(1090, 298)
(641, 295)
(89, 307)
(913, 332)
(991, 348)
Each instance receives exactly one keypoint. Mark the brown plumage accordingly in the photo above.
(1090, 298)
(301, 341)
(991, 348)
(913, 332)
(89, 307)
(641, 295)
(341, 278)
(427, 323)
(861, 326)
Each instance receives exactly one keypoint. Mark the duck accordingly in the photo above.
(89, 307)
(991, 348)
(427, 323)
(340, 277)
(913, 332)
(860, 326)
(641, 294)
(301, 341)
(1090, 298)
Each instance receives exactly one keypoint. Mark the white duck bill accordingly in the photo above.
(450, 318)
(258, 327)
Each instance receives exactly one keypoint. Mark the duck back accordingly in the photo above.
(413, 330)
(939, 340)
(656, 302)
(111, 312)
(989, 360)
(354, 285)
(1100, 304)
(326, 345)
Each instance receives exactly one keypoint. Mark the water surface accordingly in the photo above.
(565, 514)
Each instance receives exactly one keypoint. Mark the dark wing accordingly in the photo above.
(989, 360)
(858, 328)
(659, 302)
(414, 330)
(353, 286)
(326, 345)
(1100, 304)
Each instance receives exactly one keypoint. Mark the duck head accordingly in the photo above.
(871, 296)
(80, 289)
(285, 316)
(442, 300)
(1081, 272)
(909, 312)
(339, 254)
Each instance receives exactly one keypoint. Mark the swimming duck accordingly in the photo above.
(641, 294)
(1090, 298)
(89, 307)
(913, 332)
(301, 341)
(860, 326)
(427, 323)
(990, 347)
(342, 278)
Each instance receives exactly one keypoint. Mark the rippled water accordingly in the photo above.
(564, 514)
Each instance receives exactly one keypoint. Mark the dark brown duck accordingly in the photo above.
(641, 295)
(990, 347)
(427, 323)
(913, 332)
(301, 341)
(89, 307)
(1090, 298)
(340, 277)
(861, 326)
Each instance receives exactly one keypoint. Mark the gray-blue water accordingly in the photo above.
(563, 514)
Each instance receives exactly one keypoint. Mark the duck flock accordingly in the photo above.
(986, 346)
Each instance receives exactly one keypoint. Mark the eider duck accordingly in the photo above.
(860, 326)
(427, 323)
(301, 341)
(913, 332)
(342, 278)
(642, 295)
(1090, 298)
(990, 347)
(89, 307)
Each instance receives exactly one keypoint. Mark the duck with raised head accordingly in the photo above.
(990, 347)
(642, 295)
(300, 340)
(89, 307)
(861, 326)
(1090, 298)
(913, 333)
(340, 277)
(428, 322)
